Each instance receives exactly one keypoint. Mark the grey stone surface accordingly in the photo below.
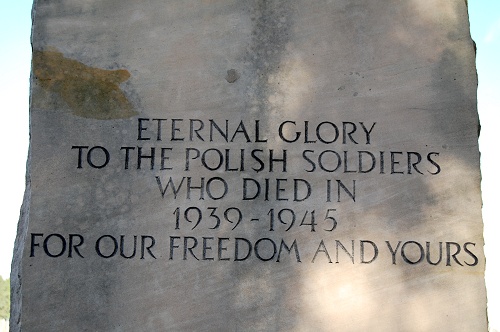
(215, 94)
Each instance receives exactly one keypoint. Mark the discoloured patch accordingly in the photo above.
(232, 76)
(89, 92)
(271, 32)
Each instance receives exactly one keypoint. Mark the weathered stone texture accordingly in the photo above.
(383, 95)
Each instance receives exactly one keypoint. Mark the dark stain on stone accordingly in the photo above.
(89, 92)
(272, 28)
(232, 76)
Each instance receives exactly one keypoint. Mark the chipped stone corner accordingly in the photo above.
(16, 268)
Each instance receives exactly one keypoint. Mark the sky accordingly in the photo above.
(15, 28)
(485, 29)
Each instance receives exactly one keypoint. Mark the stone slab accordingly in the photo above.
(224, 165)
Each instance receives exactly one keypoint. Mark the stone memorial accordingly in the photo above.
(261, 165)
